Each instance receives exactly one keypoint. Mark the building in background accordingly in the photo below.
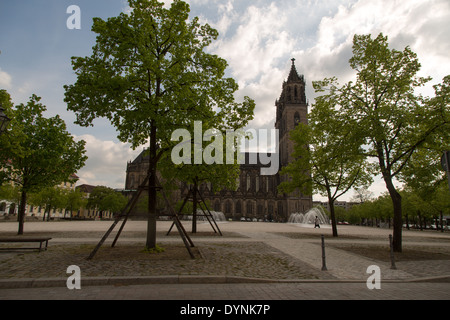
(257, 196)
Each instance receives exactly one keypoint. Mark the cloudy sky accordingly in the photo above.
(257, 38)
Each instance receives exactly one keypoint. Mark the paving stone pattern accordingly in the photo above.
(252, 250)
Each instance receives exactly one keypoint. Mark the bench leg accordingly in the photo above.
(46, 245)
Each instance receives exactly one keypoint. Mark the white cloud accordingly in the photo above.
(106, 164)
(254, 40)
(228, 16)
(421, 25)
(260, 39)
(5, 79)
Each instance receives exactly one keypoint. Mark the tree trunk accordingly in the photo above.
(151, 222)
(48, 214)
(407, 222)
(397, 204)
(333, 217)
(420, 220)
(194, 208)
(21, 215)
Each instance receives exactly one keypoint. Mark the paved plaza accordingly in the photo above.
(251, 261)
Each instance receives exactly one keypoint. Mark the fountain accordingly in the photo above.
(308, 218)
(218, 216)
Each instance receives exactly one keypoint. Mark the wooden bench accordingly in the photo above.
(25, 240)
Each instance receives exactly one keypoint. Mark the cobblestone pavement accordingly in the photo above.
(239, 293)
(247, 252)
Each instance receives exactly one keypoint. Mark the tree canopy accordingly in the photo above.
(106, 199)
(150, 74)
(384, 108)
(38, 152)
(327, 157)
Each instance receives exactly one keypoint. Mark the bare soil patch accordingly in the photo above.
(382, 253)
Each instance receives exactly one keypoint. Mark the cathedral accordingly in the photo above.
(256, 196)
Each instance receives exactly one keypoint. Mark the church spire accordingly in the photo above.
(293, 74)
(293, 90)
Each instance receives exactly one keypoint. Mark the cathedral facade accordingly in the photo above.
(256, 196)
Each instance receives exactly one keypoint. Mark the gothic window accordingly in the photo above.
(260, 209)
(296, 119)
(289, 93)
(257, 184)
(281, 127)
(280, 209)
(248, 182)
(131, 185)
(295, 93)
(238, 206)
(217, 206)
(228, 206)
(249, 207)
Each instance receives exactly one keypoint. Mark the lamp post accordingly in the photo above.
(4, 120)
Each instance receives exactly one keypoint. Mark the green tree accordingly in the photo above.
(49, 198)
(8, 139)
(10, 193)
(375, 210)
(38, 152)
(340, 214)
(327, 157)
(386, 111)
(75, 200)
(362, 195)
(440, 203)
(149, 74)
(353, 217)
(106, 199)
(222, 175)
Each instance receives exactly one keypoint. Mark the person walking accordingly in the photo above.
(316, 222)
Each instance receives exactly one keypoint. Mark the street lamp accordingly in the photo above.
(4, 120)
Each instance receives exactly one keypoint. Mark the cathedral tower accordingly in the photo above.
(256, 196)
(291, 108)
